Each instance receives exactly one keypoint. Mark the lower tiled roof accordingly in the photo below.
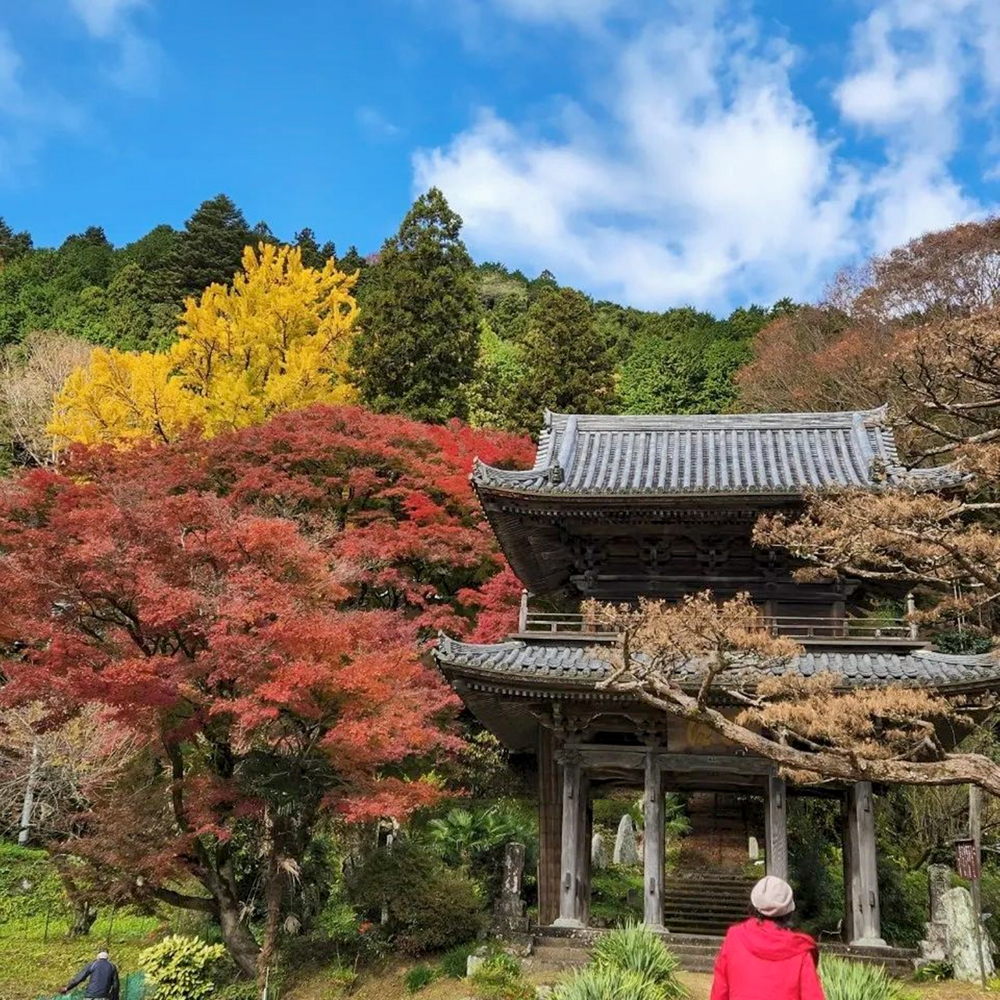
(575, 664)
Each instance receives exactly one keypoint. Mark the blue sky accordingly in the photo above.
(658, 153)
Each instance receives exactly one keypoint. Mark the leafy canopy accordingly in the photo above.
(276, 339)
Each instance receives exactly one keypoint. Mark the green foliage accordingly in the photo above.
(902, 898)
(610, 983)
(845, 980)
(493, 395)
(30, 885)
(964, 640)
(934, 972)
(815, 864)
(209, 249)
(636, 949)
(455, 961)
(430, 906)
(419, 338)
(609, 895)
(12, 245)
(500, 978)
(461, 835)
(569, 368)
(419, 978)
(181, 968)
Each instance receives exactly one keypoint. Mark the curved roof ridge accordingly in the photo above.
(701, 454)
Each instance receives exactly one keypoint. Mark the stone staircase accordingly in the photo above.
(559, 949)
(705, 903)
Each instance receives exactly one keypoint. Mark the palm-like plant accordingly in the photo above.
(844, 980)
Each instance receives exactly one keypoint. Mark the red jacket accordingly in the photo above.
(761, 961)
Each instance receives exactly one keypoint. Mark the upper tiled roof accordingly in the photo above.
(763, 453)
(575, 665)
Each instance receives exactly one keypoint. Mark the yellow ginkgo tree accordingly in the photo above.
(277, 339)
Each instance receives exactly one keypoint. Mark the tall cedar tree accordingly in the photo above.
(209, 250)
(419, 337)
(568, 367)
(248, 606)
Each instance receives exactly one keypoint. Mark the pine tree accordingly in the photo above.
(568, 367)
(419, 341)
(209, 250)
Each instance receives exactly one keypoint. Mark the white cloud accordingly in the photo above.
(112, 21)
(104, 18)
(703, 178)
(376, 124)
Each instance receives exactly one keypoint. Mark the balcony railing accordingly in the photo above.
(794, 627)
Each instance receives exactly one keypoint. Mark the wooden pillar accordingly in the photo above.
(573, 817)
(549, 828)
(653, 843)
(583, 866)
(776, 827)
(862, 919)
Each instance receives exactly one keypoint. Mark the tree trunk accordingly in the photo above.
(274, 891)
(236, 936)
(83, 919)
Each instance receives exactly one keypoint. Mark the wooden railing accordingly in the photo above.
(794, 627)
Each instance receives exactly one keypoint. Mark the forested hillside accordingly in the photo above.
(437, 336)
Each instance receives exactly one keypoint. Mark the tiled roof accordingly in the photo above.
(575, 665)
(762, 453)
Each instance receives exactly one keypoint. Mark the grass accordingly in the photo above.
(32, 967)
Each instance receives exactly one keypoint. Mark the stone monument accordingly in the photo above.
(960, 918)
(510, 918)
(598, 852)
(626, 851)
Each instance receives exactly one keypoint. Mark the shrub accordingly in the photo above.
(609, 900)
(455, 961)
(429, 905)
(181, 968)
(844, 980)
(636, 949)
(934, 972)
(419, 978)
(500, 978)
(595, 983)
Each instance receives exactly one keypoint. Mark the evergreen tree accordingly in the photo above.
(209, 250)
(12, 245)
(419, 340)
(312, 255)
(568, 367)
(128, 311)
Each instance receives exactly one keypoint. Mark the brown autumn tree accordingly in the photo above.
(679, 657)
(939, 535)
(840, 353)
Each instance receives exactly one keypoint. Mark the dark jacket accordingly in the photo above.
(761, 961)
(103, 978)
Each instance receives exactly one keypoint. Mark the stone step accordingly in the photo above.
(562, 949)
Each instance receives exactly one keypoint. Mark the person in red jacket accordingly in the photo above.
(762, 958)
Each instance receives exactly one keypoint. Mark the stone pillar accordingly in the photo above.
(549, 828)
(573, 817)
(653, 844)
(863, 921)
(776, 827)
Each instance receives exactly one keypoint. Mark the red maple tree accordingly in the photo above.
(251, 605)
